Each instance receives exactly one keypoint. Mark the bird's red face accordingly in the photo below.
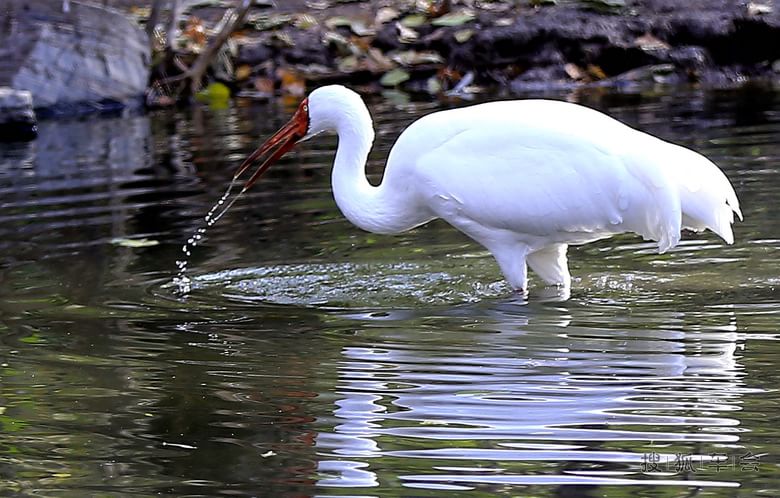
(288, 135)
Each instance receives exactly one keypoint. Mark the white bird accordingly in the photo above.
(524, 178)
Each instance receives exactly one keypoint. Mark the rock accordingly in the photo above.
(17, 118)
(253, 53)
(87, 54)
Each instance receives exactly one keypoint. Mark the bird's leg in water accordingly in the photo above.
(551, 265)
(511, 260)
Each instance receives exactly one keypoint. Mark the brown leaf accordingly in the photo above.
(242, 72)
(596, 72)
(195, 32)
(292, 83)
(264, 85)
(649, 43)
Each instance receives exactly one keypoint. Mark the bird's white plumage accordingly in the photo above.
(524, 178)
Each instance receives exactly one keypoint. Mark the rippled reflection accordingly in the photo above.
(515, 392)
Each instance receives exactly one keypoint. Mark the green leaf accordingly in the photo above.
(33, 338)
(433, 85)
(413, 21)
(123, 242)
(453, 19)
(394, 77)
(463, 35)
(396, 97)
(216, 95)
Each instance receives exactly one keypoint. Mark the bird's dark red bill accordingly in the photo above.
(288, 135)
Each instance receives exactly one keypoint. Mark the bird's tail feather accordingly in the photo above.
(707, 199)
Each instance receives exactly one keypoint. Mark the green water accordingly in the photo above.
(313, 359)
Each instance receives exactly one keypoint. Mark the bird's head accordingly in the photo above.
(320, 111)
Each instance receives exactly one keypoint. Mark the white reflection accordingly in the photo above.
(522, 387)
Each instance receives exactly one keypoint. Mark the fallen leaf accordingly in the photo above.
(242, 72)
(291, 82)
(596, 72)
(283, 39)
(360, 28)
(123, 242)
(406, 34)
(413, 21)
(496, 6)
(348, 64)
(433, 85)
(317, 4)
(336, 22)
(357, 26)
(385, 15)
(454, 19)
(394, 77)
(141, 12)
(194, 31)
(378, 60)
(649, 43)
(607, 6)
(266, 22)
(264, 85)
(413, 58)
(438, 9)
(463, 35)
(304, 21)
(396, 97)
(339, 42)
(574, 71)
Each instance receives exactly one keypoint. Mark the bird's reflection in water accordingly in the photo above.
(528, 395)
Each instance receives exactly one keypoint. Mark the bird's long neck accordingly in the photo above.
(387, 208)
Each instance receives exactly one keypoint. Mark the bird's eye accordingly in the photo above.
(305, 108)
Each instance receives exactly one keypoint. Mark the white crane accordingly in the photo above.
(524, 178)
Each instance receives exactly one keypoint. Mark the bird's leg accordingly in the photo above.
(511, 260)
(551, 265)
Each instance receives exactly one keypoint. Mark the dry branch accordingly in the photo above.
(230, 20)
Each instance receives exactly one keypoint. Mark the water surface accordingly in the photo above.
(311, 358)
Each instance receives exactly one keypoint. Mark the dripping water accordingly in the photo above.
(182, 282)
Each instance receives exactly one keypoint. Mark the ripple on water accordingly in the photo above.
(351, 284)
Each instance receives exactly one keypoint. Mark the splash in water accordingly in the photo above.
(182, 282)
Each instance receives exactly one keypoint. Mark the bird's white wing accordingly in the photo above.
(549, 170)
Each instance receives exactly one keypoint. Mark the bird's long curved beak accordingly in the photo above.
(288, 135)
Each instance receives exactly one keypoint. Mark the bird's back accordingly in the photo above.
(557, 172)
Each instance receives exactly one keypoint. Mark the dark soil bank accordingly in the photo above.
(522, 46)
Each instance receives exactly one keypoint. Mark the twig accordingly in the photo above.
(232, 18)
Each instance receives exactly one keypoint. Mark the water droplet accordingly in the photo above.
(181, 280)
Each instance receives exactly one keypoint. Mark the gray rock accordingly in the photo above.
(17, 118)
(85, 54)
